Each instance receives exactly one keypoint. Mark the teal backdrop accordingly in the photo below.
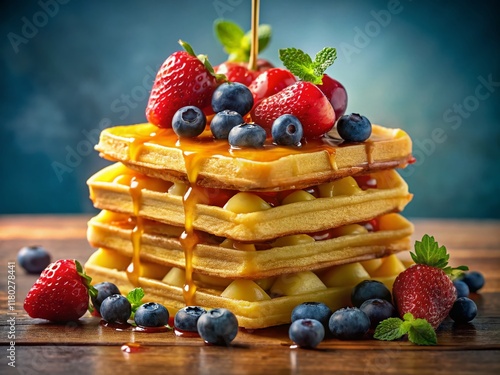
(71, 67)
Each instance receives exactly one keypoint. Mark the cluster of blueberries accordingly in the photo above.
(232, 101)
(216, 326)
(311, 321)
(372, 303)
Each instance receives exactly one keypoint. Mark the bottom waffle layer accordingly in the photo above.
(256, 304)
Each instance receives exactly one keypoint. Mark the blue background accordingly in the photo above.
(418, 65)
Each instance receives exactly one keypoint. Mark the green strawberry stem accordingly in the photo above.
(87, 281)
(204, 59)
(429, 252)
(301, 64)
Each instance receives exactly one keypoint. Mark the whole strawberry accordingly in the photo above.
(302, 99)
(237, 72)
(425, 289)
(183, 79)
(61, 293)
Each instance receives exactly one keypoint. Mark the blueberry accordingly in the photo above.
(151, 314)
(354, 128)
(233, 96)
(218, 326)
(104, 290)
(462, 288)
(349, 323)
(223, 122)
(464, 310)
(474, 280)
(116, 309)
(306, 333)
(312, 310)
(189, 122)
(34, 259)
(187, 318)
(377, 309)
(247, 135)
(287, 130)
(369, 289)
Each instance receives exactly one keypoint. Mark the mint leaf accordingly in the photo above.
(135, 297)
(390, 329)
(422, 333)
(324, 59)
(301, 64)
(229, 34)
(236, 42)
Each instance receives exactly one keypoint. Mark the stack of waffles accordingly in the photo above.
(256, 231)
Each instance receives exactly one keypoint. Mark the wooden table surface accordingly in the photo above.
(87, 347)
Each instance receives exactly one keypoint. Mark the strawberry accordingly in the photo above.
(303, 100)
(61, 293)
(237, 72)
(183, 79)
(425, 289)
(270, 82)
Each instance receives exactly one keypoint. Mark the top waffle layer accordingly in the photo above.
(212, 163)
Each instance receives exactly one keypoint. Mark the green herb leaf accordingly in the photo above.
(236, 42)
(430, 253)
(390, 329)
(422, 333)
(301, 64)
(229, 34)
(135, 297)
(324, 59)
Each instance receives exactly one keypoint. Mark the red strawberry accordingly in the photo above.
(303, 100)
(271, 82)
(237, 72)
(425, 289)
(183, 79)
(61, 293)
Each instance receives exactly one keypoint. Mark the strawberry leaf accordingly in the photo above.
(86, 279)
(430, 253)
(422, 333)
(390, 329)
(301, 64)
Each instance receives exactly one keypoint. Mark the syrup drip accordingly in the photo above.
(131, 347)
(189, 238)
(369, 152)
(134, 269)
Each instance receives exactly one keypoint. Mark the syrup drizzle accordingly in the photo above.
(134, 270)
(189, 238)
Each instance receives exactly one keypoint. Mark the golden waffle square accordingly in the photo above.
(256, 304)
(226, 259)
(212, 163)
(162, 201)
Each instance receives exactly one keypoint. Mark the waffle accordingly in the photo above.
(110, 190)
(159, 153)
(257, 304)
(215, 257)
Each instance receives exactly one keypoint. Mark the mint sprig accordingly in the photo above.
(419, 331)
(304, 67)
(135, 297)
(428, 251)
(236, 42)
